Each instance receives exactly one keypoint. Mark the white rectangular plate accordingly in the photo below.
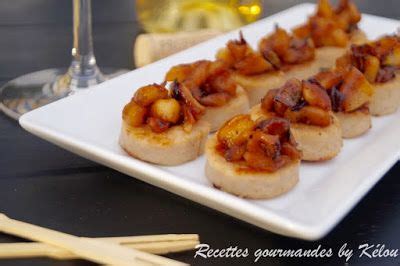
(88, 124)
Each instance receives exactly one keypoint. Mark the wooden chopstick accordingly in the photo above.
(156, 244)
(87, 248)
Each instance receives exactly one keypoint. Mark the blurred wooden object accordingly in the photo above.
(151, 47)
(87, 248)
(155, 244)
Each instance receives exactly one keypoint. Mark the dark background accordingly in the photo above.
(43, 184)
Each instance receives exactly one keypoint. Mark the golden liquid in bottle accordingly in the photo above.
(190, 15)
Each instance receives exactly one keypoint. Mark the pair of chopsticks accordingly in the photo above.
(112, 251)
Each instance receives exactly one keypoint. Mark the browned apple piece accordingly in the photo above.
(148, 94)
(356, 90)
(290, 94)
(182, 92)
(253, 64)
(225, 56)
(328, 79)
(166, 109)
(278, 42)
(371, 68)
(267, 103)
(239, 49)
(236, 131)
(291, 151)
(327, 33)
(344, 62)
(302, 31)
(235, 153)
(384, 45)
(316, 96)
(215, 99)
(222, 82)
(340, 38)
(134, 114)
(179, 72)
(309, 115)
(260, 161)
(199, 74)
(264, 143)
(393, 59)
(325, 9)
(274, 126)
(157, 125)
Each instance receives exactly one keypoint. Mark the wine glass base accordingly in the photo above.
(36, 89)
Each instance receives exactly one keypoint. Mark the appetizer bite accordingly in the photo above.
(213, 88)
(350, 95)
(379, 61)
(308, 107)
(253, 159)
(300, 54)
(162, 126)
(332, 30)
(280, 55)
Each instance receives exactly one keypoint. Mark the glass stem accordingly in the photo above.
(83, 70)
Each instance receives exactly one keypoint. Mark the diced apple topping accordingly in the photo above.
(236, 131)
(378, 61)
(134, 114)
(371, 67)
(264, 145)
(315, 95)
(330, 26)
(280, 48)
(210, 83)
(309, 115)
(152, 105)
(328, 79)
(393, 58)
(300, 102)
(356, 90)
(148, 94)
(166, 109)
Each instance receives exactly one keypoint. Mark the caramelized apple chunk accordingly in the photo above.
(182, 93)
(393, 58)
(179, 72)
(309, 115)
(325, 9)
(291, 151)
(281, 48)
(235, 153)
(326, 32)
(356, 90)
(314, 95)
(148, 94)
(264, 145)
(290, 94)
(378, 60)
(253, 64)
(328, 79)
(279, 42)
(267, 103)
(215, 99)
(235, 50)
(166, 109)
(133, 114)
(371, 68)
(236, 131)
(157, 125)
(275, 126)
(261, 162)
(260, 142)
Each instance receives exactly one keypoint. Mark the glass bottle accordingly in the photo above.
(190, 15)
